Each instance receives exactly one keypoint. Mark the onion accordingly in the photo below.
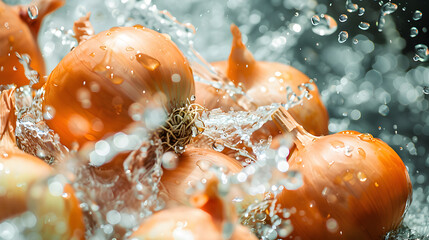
(265, 83)
(204, 222)
(193, 166)
(354, 186)
(20, 177)
(111, 78)
(19, 34)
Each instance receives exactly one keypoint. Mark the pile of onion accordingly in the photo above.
(19, 34)
(205, 221)
(109, 79)
(264, 83)
(22, 186)
(354, 186)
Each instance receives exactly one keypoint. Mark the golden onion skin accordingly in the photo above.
(192, 167)
(19, 34)
(114, 69)
(22, 185)
(265, 83)
(352, 178)
(188, 223)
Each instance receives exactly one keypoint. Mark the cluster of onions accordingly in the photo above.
(19, 175)
(19, 35)
(265, 83)
(354, 186)
(205, 221)
(98, 87)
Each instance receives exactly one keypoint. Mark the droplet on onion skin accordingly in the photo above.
(33, 11)
(148, 62)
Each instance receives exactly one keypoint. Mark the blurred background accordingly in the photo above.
(369, 59)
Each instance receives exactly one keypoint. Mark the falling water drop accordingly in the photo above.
(315, 20)
(417, 15)
(414, 32)
(343, 36)
(148, 62)
(364, 25)
(355, 41)
(422, 53)
(326, 26)
(33, 11)
(389, 8)
(361, 11)
(383, 110)
(343, 18)
(426, 90)
(351, 7)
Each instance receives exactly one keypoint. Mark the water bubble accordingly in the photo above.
(426, 90)
(383, 110)
(326, 26)
(169, 160)
(389, 8)
(417, 15)
(348, 151)
(361, 11)
(355, 41)
(48, 112)
(343, 18)
(292, 181)
(414, 32)
(422, 53)
(343, 36)
(33, 11)
(364, 25)
(218, 145)
(362, 176)
(351, 7)
(315, 20)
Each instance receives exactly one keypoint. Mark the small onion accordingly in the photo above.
(354, 186)
(265, 83)
(103, 84)
(21, 184)
(19, 34)
(193, 166)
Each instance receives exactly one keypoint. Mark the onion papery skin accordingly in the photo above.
(188, 223)
(193, 166)
(17, 37)
(354, 187)
(115, 69)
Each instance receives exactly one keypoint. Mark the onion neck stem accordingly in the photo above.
(287, 124)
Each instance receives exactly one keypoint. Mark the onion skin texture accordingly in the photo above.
(21, 36)
(353, 178)
(265, 83)
(19, 172)
(191, 169)
(93, 87)
(197, 224)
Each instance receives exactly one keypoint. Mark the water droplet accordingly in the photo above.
(175, 78)
(103, 47)
(364, 25)
(193, 98)
(426, 90)
(414, 32)
(366, 137)
(348, 151)
(326, 26)
(48, 112)
(389, 8)
(351, 7)
(417, 15)
(376, 184)
(115, 79)
(422, 53)
(332, 225)
(148, 62)
(343, 18)
(129, 49)
(92, 54)
(383, 110)
(292, 181)
(355, 41)
(361, 176)
(337, 144)
(315, 20)
(361, 11)
(33, 11)
(218, 145)
(204, 165)
(348, 176)
(362, 153)
(343, 36)
(169, 160)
